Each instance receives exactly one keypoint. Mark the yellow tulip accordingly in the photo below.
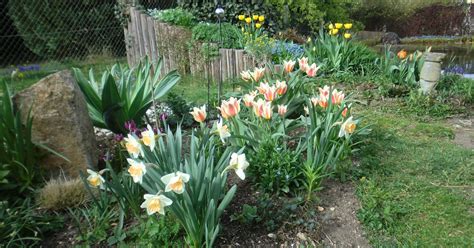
(258, 25)
(241, 17)
(261, 18)
(255, 17)
(338, 25)
(347, 35)
(347, 25)
(248, 20)
(334, 31)
(331, 26)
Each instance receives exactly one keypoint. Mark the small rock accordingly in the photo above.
(320, 209)
(301, 236)
(272, 235)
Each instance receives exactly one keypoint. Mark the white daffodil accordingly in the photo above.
(222, 130)
(133, 146)
(148, 137)
(137, 169)
(175, 182)
(95, 179)
(347, 127)
(238, 163)
(155, 203)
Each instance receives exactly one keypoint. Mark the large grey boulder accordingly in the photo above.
(61, 122)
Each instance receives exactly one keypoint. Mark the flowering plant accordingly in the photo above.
(191, 186)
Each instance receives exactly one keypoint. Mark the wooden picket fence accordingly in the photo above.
(146, 36)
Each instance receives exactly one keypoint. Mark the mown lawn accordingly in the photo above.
(30, 77)
(416, 186)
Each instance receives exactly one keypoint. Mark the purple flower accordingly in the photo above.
(130, 126)
(163, 116)
(118, 137)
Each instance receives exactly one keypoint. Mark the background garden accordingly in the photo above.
(244, 123)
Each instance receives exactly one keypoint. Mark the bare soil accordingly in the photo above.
(336, 222)
(463, 131)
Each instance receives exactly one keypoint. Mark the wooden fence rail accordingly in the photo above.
(146, 36)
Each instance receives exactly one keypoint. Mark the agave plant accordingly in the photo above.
(124, 94)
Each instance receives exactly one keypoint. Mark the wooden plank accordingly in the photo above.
(144, 34)
(151, 30)
(136, 32)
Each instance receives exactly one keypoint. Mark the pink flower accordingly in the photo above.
(199, 114)
(229, 108)
(262, 88)
(267, 110)
(246, 75)
(248, 98)
(303, 62)
(324, 92)
(258, 74)
(258, 107)
(337, 97)
(289, 65)
(281, 87)
(270, 93)
(344, 112)
(312, 70)
(282, 110)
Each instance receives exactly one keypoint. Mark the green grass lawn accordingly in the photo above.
(417, 188)
(29, 78)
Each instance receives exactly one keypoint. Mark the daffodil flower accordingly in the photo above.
(95, 179)
(175, 182)
(222, 130)
(133, 146)
(155, 203)
(148, 137)
(347, 128)
(238, 163)
(137, 170)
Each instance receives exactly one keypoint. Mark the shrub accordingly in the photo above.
(211, 33)
(177, 16)
(180, 109)
(59, 194)
(124, 94)
(59, 29)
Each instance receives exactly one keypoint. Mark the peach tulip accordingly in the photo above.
(229, 108)
(337, 97)
(267, 110)
(314, 101)
(248, 98)
(303, 63)
(258, 107)
(282, 109)
(289, 65)
(258, 74)
(262, 88)
(270, 93)
(199, 114)
(312, 70)
(246, 75)
(344, 112)
(281, 87)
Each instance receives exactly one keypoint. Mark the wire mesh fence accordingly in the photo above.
(43, 36)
